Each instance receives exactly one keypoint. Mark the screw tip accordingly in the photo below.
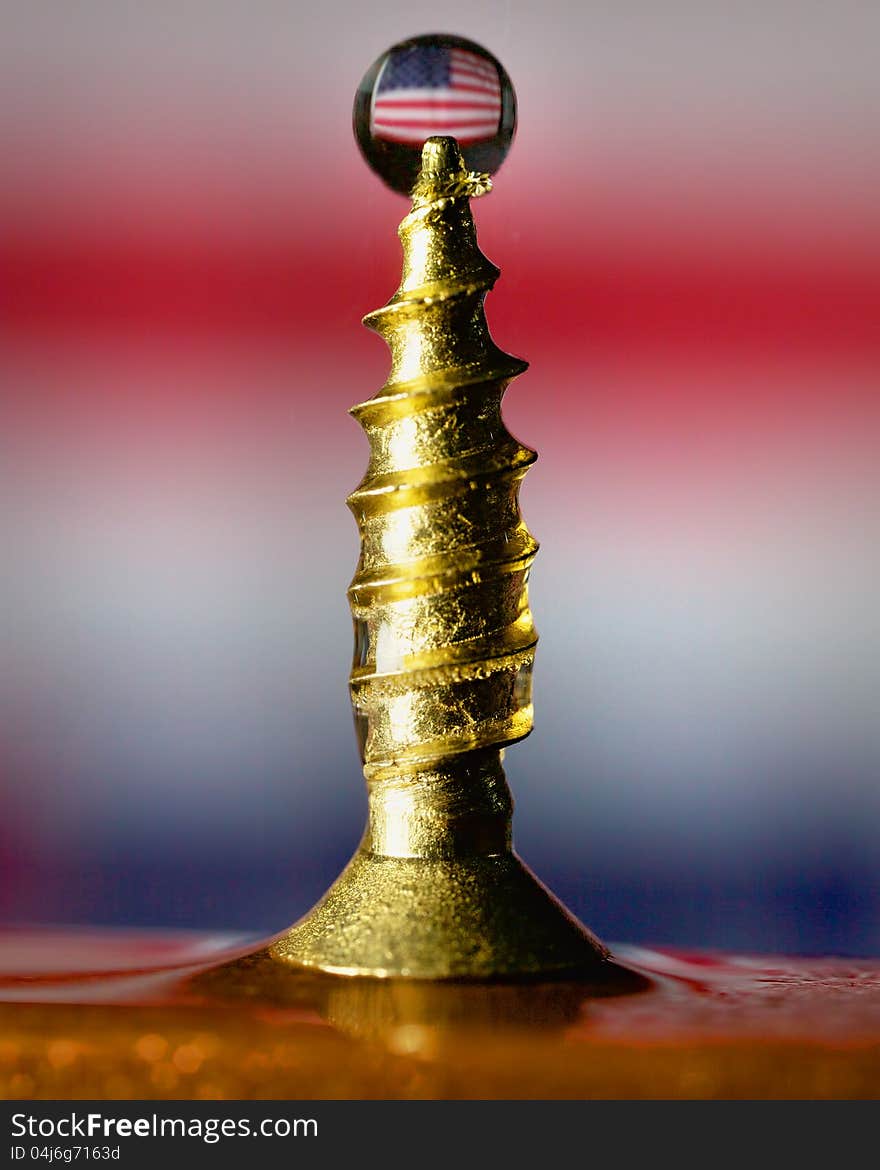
(444, 174)
(441, 155)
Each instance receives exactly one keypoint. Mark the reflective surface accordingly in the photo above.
(427, 85)
(137, 1014)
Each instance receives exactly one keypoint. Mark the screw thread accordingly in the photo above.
(444, 637)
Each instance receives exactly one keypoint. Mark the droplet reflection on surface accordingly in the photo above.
(429, 85)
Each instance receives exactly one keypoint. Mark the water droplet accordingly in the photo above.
(429, 85)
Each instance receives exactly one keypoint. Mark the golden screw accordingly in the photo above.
(444, 638)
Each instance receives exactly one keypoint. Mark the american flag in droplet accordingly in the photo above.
(434, 89)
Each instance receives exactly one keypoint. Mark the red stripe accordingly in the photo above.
(432, 103)
(443, 118)
(422, 118)
(415, 123)
(460, 115)
(765, 298)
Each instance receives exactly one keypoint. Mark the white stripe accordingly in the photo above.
(436, 97)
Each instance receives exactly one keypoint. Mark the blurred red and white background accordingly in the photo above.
(689, 238)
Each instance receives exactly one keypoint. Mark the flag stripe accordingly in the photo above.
(459, 83)
(417, 97)
(407, 113)
(439, 119)
(467, 67)
(460, 88)
(464, 71)
(463, 57)
(392, 108)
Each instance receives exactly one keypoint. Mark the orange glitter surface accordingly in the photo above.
(121, 1015)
